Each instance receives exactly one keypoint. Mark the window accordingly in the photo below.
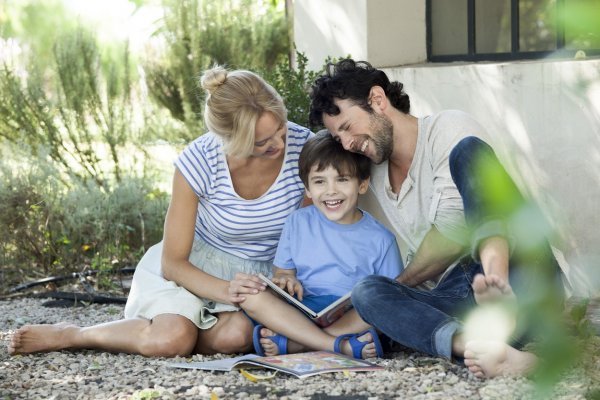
(474, 30)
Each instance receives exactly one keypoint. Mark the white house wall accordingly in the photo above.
(337, 22)
(364, 29)
(543, 117)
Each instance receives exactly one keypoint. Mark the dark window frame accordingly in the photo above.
(515, 53)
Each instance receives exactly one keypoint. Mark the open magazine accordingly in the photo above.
(325, 317)
(300, 365)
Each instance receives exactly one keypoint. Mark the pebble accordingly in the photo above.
(99, 375)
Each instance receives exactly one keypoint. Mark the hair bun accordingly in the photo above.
(213, 78)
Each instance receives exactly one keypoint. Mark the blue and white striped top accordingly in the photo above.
(248, 229)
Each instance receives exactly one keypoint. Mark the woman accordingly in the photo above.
(232, 190)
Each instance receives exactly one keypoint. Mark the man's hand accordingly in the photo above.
(432, 258)
(244, 284)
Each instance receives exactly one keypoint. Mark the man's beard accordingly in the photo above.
(382, 137)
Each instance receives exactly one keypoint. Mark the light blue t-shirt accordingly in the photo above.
(330, 258)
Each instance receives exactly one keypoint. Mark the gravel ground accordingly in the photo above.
(98, 375)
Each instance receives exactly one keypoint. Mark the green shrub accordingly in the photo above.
(49, 230)
(36, 24)
(27, 238)
(83, 116)
(77, 184)
(293, 84)
(199, 33)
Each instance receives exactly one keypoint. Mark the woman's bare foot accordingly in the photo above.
(487, 359)
(39, 338)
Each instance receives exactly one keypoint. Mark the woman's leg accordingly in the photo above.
(231, 334)
(166, 335)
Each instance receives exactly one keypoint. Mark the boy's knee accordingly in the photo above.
(256, 302)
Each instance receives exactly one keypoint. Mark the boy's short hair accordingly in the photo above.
(323, 151)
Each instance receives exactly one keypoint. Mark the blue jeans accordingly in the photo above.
(493, 206)
(419, 319)
(427, 320)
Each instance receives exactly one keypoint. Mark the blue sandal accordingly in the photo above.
(356, 345)
(279, 340)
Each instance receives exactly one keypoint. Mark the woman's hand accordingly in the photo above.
(290, 283)
(244, 284)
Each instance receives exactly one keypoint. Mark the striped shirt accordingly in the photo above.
(248, 229)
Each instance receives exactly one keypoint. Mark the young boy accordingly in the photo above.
(324, 250)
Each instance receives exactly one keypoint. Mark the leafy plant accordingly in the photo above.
(293, 84)
(81, 117)
(49, 230)
(199, 33)
(582, 326)
(75, 176)
(35, 25)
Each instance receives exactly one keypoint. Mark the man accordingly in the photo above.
(429, 175)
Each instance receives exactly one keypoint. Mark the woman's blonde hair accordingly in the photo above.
(235, 100)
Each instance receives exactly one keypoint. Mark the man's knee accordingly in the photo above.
(470, 145)
(467, 151)
(474, 168)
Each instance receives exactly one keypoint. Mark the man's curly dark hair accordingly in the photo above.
(349, 79)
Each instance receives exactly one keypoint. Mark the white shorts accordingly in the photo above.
(152, 295)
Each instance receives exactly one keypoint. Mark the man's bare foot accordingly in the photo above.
(487, 359)
(492, 289)
(495, 317)
(39, 338)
